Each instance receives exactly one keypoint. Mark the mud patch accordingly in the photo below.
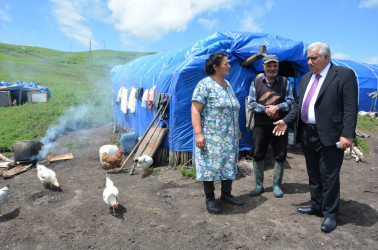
(167, 211)
(43, 198)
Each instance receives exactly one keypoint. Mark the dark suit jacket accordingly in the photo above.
(335, 108)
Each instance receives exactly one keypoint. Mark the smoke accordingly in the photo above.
(71, 120)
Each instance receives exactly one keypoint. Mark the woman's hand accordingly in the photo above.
(240, 134)
(196, 122)
(200, 141)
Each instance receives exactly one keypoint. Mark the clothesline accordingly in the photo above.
(150, 98)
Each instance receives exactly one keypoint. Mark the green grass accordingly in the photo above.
(362, 144)
(72, 81)
(154, 171)
(367, 123)
(188, 172)
(115, 141)
(8, 155)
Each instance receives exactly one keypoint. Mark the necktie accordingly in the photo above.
(306, 104)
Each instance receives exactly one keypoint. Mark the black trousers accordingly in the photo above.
(323, 168)
(226, 186)
(262, 137)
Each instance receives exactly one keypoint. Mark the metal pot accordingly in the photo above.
(26, 150)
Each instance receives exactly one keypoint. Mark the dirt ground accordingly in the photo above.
(167, 211)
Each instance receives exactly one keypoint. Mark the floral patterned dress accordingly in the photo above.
(220, 127)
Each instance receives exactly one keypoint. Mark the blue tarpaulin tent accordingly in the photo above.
(178, 71)
(19, 92)
(23, 85)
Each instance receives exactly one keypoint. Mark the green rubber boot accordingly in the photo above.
(277, 178)
(258, 167)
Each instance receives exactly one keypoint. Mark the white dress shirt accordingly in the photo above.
(311, 111)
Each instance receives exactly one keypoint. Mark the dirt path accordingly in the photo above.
(168, 212)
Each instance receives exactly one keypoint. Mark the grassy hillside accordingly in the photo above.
(74, 81)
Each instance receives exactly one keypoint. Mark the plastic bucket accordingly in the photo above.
(128, 141)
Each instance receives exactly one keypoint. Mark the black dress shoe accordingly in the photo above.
(231, 199)
(213, 207)
(328, 225)
(309, 210)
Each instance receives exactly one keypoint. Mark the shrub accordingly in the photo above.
(362, 144)
(188, 172)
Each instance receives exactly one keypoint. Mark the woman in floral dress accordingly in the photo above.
(215, 110)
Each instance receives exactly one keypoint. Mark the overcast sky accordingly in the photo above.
(348, 26)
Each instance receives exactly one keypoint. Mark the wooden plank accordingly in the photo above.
(16, 170)
(60, 157)
(151, 142)
(144, 142)
(155, 142)
(2, 157)
(4, 164)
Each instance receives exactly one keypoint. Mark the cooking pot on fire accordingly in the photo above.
(26, 150)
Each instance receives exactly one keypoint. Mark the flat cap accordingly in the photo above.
(270, 58)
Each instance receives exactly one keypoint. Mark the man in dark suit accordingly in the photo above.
(326, 116)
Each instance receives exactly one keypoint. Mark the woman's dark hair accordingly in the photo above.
(215, 59)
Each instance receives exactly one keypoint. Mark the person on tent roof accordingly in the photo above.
(215, 110)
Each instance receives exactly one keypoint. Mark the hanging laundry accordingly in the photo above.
(136, 93)
(155, 99)
(149, 103)
(132, 100)
(139, 93)
(152, 90)
(144, 99)
(124, 96)
(119, 95)
(162, 95)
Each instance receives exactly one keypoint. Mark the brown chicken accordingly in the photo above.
(111, 162)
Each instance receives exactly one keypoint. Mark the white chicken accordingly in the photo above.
(110, 195)
(144, 162)
(47, 176)
(111, 150)
(4, 197)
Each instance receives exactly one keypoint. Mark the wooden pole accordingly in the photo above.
(161, 117)
(145, 133)
(247, 62)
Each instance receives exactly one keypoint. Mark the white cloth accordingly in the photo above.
(311, 107)
(124, 96)
(152, 90)
(144, 98)
(132, 100)
(119, 95)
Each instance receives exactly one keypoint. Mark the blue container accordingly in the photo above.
(128, 141)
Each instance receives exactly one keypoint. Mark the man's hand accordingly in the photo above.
(345, 143)
(272, 111)
(275, 116)
(280, 128)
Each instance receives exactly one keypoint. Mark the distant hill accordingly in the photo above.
(100, 58)
(75, 80)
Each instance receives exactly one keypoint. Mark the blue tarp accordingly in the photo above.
(25, 85)
(178, 71)
(367, 79)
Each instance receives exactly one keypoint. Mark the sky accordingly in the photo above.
(350, 27)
